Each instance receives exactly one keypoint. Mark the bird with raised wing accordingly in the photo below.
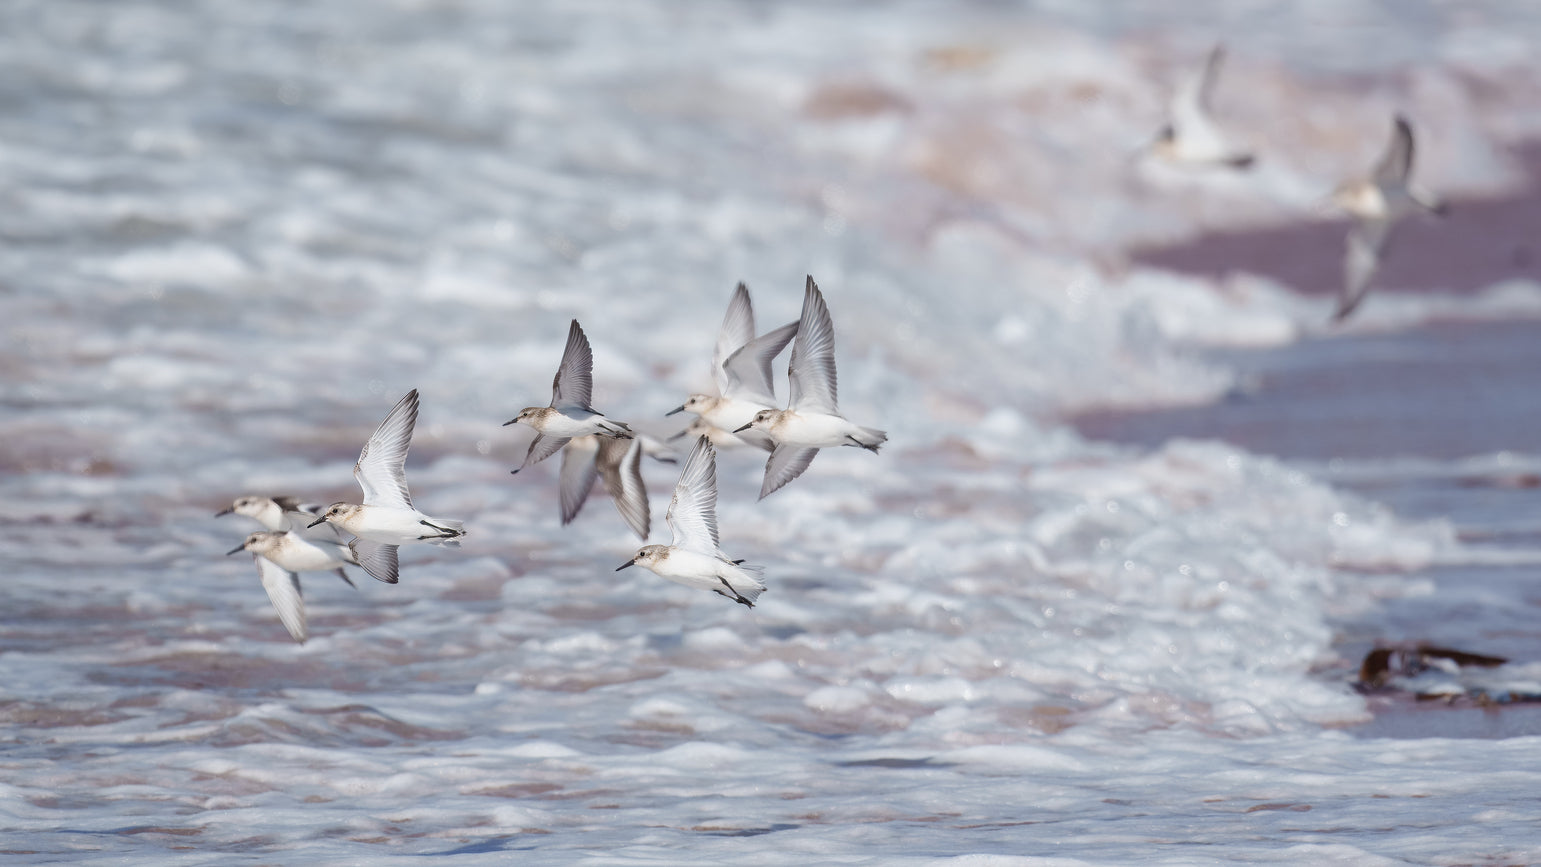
(812, 419)
(1191, 136)
(741, 364)
(569, 414)
(1376, 203)
(387, 518)
(695, 557)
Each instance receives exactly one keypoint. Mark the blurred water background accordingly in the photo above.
(1101, 599)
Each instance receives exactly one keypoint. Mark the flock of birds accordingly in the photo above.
(1376, 202)
(302, 537)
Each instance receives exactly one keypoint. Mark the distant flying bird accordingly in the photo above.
(1191, 135)
(1377, 202)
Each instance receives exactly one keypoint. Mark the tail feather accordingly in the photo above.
(870, 438)
(747, 586)
(452, 529)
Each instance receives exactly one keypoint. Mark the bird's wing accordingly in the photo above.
(812, 369)
(381, 467)
(295, 504)
(748, 371)
(376, 558)
(620, 464)
(542, 447)
(693, 510)
(574, 382)
(1397, 162)
(1366, 245)
(736, 332)
(785, 464)
(578, 472)
(1190, 102)
(283, 589)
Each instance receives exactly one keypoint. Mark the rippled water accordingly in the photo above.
(235, 235)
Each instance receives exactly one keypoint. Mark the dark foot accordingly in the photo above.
(733, 594)
(861, 445)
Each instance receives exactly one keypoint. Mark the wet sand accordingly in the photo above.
(1439, 393)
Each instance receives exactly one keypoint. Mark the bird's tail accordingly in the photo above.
(870, 438)
(748, 584)
(452, 531)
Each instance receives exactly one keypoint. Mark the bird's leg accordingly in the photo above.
(733, 594)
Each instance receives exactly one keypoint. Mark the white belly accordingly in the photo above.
(300, 555)
(813, 431)
(706, 572)
(390, 526)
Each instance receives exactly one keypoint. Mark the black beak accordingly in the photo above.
(678, 409)
(624, 565)
(510, 421)
(745, 427)
(236, 550)
(222, 512)
(320, 520)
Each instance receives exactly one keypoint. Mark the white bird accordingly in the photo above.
(1376, 203)
(619, 463)
(741, 364)
(812, 419)
(695, 558)
(1191, 135)
(569, 414)
(287, 514)
(280, 555)
(387, 517)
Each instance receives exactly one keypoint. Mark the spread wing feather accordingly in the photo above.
(693, 510)
(381, 467)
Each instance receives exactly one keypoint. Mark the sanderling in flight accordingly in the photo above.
(619, 463)
(700, 427)
(1376, 203)
(387, 518)
(569, 414)
(289, 515)
(812, 419)
(280, 555)
(741, 364)
(695, 558)
(1190, 135)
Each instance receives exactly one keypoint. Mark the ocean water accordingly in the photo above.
(235, 234)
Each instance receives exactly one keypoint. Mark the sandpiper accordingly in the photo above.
(812, 419)
(695, 558)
